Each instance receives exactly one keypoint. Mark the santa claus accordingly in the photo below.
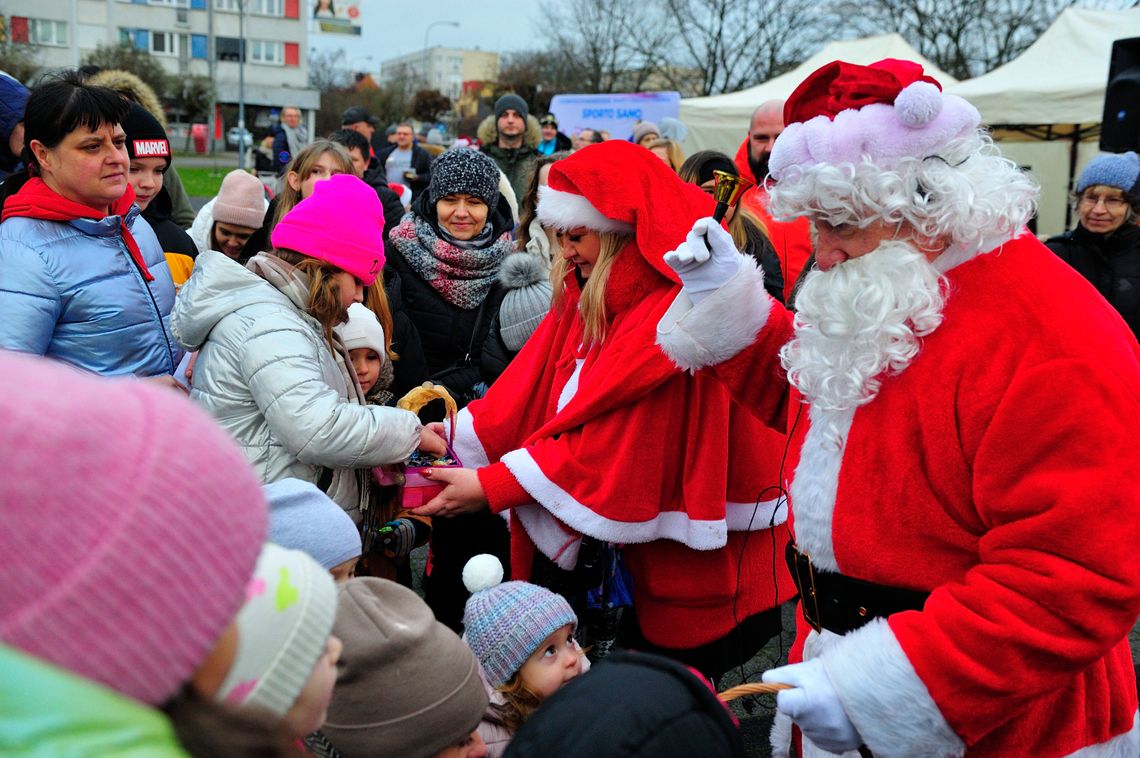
(965, 499)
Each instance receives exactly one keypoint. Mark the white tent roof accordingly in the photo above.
(720, 122)
(1060, 78)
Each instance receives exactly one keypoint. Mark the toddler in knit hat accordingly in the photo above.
(286, 656)
(301, 517)
(523, 635)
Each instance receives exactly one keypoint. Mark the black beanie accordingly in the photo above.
(511, 101)
(717, 162)
(145, 136)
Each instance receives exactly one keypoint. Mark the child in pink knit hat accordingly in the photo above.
(113, 570)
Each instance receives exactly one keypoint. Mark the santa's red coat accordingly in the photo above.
(615, 442)
(1000, 472)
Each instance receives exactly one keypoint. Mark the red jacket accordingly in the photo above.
(1000, 473)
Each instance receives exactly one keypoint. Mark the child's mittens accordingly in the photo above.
(401, 539)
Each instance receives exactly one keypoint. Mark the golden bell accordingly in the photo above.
(727, 188)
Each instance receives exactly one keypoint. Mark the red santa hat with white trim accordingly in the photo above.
(882, 113)
(622, 188)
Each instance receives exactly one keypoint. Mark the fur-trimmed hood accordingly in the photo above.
(126, 83)
(488, 132)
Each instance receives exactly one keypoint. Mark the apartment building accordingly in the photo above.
(189, 37)
(441, 68)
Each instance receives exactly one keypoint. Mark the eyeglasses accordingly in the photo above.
(1112, 203)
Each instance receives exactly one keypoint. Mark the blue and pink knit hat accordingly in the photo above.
(504, 622)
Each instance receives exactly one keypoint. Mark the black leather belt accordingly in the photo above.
(841, 603)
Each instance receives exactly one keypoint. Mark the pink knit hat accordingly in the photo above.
(341, 223)
(131, 526)
(240, 200)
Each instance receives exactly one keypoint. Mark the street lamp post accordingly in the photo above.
(241, 85)
(427, 66)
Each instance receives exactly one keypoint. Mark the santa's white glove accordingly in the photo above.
(814, 706)
(703, 271)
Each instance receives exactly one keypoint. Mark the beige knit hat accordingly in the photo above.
(407, 685)
(240, 200)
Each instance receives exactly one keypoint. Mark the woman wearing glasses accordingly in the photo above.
(1105, 246)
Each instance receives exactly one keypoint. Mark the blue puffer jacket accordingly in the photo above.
(70, 291)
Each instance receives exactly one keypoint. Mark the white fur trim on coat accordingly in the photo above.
(816, 481)
(673, 525)
(567, 210)
(1125, 745)
(873, 677)
(467, 445)
(723, 324)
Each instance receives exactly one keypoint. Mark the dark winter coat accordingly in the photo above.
(631, 704)
(171, 236)
(452, 338)
(1110, 263)
(411, 368)
(421, 162)
(516, 163)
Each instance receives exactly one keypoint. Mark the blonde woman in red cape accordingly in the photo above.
(594, 443)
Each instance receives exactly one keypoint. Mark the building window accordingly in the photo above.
(168, 44)
(258, 7)
(171, 3)
(228, 48)
(45, 32)
(268, 52)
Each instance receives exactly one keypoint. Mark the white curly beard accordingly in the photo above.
(859, 319)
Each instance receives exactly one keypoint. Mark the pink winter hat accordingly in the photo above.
(131, 526)
(240, 200)
(341, 223)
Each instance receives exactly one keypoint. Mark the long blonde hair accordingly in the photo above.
(592, 304)
(301, 165)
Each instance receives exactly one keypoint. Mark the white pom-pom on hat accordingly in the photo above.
(918, 104)
(482, 572)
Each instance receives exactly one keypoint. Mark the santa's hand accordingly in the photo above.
(705, 260)
(461, 494)
(814, 705)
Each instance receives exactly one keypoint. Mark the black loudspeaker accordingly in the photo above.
(1120, 125)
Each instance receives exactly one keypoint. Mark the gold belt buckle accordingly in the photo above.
(813, 620)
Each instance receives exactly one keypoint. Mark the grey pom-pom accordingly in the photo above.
(522, 270)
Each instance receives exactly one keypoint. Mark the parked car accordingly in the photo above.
(236, 134)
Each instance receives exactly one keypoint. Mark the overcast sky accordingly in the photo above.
(395, 27)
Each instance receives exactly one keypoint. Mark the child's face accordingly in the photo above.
(557, 661)
(311, 706)
(471, 746)
(366, 361)
(342, 572)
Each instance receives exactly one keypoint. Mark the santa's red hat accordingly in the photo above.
(883, 113)
(622, 188)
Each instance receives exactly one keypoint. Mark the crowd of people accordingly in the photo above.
(650, 424)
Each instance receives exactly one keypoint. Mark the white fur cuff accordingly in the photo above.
(467, 445)
(723, 324)
(884, 698)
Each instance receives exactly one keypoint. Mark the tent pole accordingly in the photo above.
(1074, 143)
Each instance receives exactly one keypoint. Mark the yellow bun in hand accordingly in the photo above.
(424, 394)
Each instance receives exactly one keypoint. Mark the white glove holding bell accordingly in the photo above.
(704, 270)
(814, 706)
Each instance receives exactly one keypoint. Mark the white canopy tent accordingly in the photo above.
(1046, 105)
(720, 122)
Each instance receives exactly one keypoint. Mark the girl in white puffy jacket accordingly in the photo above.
(270, 368)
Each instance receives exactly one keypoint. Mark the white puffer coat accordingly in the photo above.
(267, 375)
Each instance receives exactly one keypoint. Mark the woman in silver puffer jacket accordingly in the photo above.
(271, 370)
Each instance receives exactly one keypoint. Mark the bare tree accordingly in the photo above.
(601, 45)
(726, 45)
(965, 38)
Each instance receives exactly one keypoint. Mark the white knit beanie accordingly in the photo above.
(362, 330)
(283, 630)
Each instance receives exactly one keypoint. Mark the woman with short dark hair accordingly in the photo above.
(83, 278)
